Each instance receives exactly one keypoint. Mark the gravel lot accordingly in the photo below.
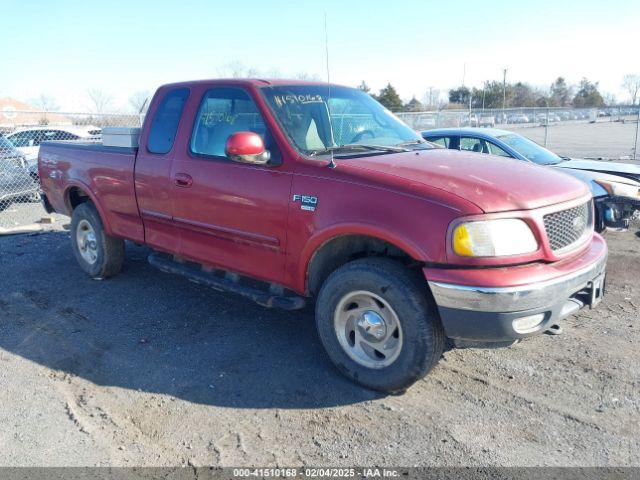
(149, 369)
(604, 139)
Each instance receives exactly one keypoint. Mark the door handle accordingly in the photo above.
(182, 180)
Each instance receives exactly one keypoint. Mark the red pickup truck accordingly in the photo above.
(289, 191)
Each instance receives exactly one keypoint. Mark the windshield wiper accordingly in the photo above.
(355, 147)
(417, 141)
(425, 144)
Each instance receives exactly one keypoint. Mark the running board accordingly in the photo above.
(227, 282)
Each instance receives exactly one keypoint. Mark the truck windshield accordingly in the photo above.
(345, 121)
(530, 149)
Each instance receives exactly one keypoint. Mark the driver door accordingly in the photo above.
(230, 215)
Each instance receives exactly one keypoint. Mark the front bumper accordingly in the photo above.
(484, 312)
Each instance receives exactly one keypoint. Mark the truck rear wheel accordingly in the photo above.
(99, 254)
(378, 325)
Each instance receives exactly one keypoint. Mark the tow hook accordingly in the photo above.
(554, 329)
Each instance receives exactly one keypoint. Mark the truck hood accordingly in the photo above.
(494, 184)
(613, 168)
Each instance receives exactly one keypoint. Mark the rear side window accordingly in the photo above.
(165, 122)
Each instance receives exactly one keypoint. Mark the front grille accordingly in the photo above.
(566, 227)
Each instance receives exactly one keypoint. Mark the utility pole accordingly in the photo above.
(464, 72)
(635, 143)
(430, 97)
(484, 90)
(504, 92)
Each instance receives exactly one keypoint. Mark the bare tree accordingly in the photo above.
(306, 76)
(609, 99)
(100, 100)
(271, 73)
(139, 101)
(432, 99)
(631, 83)
(45, 103)
(237, 69)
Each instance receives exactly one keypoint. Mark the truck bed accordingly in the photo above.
(102, 172)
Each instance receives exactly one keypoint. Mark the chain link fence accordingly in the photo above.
(533, 116)
(573, 131)
(21, 133)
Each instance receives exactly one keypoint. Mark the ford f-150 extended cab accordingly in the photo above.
(289, 191)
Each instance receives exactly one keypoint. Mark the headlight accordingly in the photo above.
(493, 238)
(619, 189)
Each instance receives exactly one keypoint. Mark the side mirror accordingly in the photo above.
(246, 147)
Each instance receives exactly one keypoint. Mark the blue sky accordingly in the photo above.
(62, 48)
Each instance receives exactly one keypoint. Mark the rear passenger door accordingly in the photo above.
(153, 169)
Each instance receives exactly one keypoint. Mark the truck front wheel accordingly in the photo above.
(378, 325)
(99, 254)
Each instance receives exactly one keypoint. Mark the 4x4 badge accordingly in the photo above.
(307, 202)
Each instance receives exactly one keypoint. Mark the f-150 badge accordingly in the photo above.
(307, 202)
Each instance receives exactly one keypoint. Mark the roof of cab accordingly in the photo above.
(255, 82)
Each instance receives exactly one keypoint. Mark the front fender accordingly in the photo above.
(322, 237)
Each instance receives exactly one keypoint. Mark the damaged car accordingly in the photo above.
(615, 186)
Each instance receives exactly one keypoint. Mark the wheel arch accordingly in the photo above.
(78, 193)
(325, 254)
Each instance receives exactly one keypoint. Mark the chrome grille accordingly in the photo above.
(566, 227)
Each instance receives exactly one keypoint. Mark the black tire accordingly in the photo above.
(423, 337)
(110, 250)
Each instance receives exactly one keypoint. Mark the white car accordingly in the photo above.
(486, 120)
(27, 140)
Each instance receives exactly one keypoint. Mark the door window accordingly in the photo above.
(442, 141)
(165, 122)
(58, 135)
(223, 112)
(473, 145)
(23, 139)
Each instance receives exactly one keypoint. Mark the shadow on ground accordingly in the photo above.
(154, 332)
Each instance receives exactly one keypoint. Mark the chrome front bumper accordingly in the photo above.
(486, 315)
(510, 299)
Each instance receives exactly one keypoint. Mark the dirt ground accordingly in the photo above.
(149, 369)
